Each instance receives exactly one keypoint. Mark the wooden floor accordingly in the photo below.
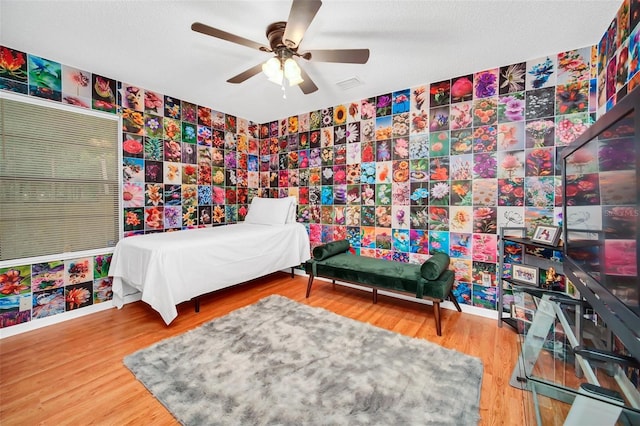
(72, 372)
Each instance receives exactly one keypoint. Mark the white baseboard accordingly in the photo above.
(65, 316)
(468, 309)
(77, 313)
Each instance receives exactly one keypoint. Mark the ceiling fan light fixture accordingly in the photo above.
(275, 70)
(276, 78)
(292, 72)
(272, 70)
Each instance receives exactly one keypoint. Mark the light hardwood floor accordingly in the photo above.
(72, 372)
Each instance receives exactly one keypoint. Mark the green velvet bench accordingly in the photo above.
(431, 280)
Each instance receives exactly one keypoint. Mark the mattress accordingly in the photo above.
(173, 267)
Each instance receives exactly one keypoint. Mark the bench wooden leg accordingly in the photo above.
(436, 315)
(375, 295)
(309, 285)
(197, 304)
(452, 297)
(292, 274)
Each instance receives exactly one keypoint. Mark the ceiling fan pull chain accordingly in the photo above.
(284, 91)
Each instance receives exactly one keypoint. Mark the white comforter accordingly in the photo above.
(170, 268)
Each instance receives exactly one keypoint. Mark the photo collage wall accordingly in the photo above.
(401, 175)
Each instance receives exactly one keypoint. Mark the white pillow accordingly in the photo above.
(268, 211)
(292, 216)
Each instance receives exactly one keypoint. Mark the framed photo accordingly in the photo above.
(525, 274)
(546, 234)
(521, 313)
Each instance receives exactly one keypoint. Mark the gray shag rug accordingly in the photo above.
(280, 362)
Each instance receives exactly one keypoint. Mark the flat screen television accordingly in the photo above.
(601, 210)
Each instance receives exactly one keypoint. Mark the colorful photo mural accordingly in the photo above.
(439, 167)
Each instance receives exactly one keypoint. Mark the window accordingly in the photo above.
(59, 185)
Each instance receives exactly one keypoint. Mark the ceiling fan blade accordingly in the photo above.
(300, 17)
(223, 35)
(349, 56)
(245, 75)
(307, 86)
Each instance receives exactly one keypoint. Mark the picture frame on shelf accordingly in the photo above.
(521, 313)
(546, 234)
(525, 274)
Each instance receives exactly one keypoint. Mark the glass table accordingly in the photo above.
(571, 367)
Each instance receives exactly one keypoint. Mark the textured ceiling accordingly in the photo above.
(150, 44)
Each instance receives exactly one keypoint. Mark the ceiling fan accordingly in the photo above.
(284, 41)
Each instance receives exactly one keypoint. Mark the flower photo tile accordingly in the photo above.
(574, 65)
(484, 192)
(438, 242)
(511, 192)
(129, 96)
(541, 73)
(461, 116)
(78, 295)
(484, 165)
(13, 86)
(510, 164)
(439, 118)
(102, 290)
(133, 219)
(569, 127)
(512, 78)
(103, 91)
(485, 220)
(483, 296)
(572, 98)
(462, 88)
(539, 161)
(462, 292)
(45, 78)
(540, 103)
(460, 247)
(511, 107)
(383, 105)
(153, 103)
(13, 65)
(461, 141)
(485, 111)
(132, 145)
(485, 139)
(172, 108)
(440, 93)
(511, 136)
(419, 95)
(485, 84)
(76, 87)
(153, 149)
(47, 303)
(540, 191)
(439, 144)
(484, 248)
(78, 270)
(133, 194)
(461, 192)
(47, 275)
(172, 129)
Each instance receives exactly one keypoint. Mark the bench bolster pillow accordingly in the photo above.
(434, 266)
(330, 249)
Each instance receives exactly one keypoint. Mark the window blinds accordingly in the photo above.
(59, 188)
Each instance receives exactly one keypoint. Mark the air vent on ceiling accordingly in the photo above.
(349, 83)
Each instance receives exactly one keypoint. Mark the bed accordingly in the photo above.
(173, 267)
